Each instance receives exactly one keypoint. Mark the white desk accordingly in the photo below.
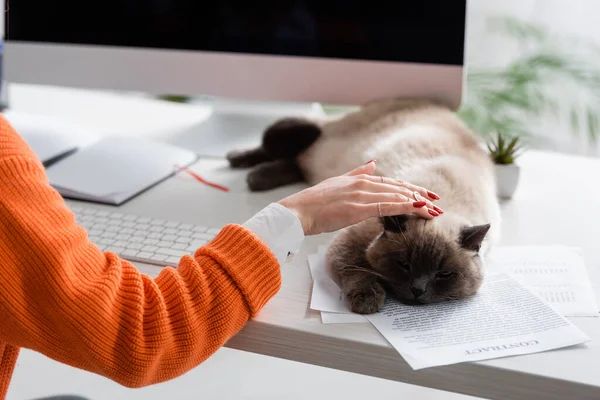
(557, 203)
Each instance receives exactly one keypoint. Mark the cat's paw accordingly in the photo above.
(259, 181)
(366, 300)
(241, 159)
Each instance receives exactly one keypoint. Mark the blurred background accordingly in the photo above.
(533, 72)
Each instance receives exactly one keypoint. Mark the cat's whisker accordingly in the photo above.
(355, 268)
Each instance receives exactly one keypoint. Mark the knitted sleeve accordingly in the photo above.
(62, 296)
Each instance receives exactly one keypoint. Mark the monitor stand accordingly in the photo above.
(232, 125)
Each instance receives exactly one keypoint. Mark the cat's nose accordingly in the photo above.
(417, 292)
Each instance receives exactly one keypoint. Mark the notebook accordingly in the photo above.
(115, 169)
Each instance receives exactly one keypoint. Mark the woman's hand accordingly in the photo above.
(349, 199)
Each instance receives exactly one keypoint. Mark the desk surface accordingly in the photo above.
(556, 203)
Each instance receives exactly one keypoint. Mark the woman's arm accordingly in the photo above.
(60, 295)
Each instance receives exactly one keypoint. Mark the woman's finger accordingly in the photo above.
(386, 209)
(392, 197)
(367, 169)
(374, 187)
(398, 183)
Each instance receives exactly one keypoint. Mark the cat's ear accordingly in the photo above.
(471, 237)
(394, 224)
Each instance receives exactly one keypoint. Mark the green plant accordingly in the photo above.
(503, 150)
(174, 98)
(543, 81)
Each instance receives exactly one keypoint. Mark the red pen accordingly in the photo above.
(200, 179)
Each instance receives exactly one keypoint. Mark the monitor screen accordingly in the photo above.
(380, 30)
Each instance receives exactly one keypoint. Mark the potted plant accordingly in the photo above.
(504, 152)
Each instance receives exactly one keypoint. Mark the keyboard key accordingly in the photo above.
(154, 235)
(120, 243)
(169, 238)
(151, 249)
(159, 257)
(186, 227)
(170, 231)
(144, 254)
(171, 225)
(114, 249)
(185, 240)
(150, 242)
(159, 229)
(179, 246)
(192, 248)
(198, 243)
(130, 218)
(129, 253)
(140, 233)
(142, 227)
(165, 244)
(135, 246)
(137, 239)
(171, 252)
(185, 233)
(214, 231)
(173, 260)
(203, 236)
(158, 222)
(128, 224)
(200, 228)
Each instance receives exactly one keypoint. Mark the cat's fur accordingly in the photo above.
(412, 259)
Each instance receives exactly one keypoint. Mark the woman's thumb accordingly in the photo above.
(368, 168)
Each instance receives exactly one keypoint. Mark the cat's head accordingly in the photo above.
(423, 262)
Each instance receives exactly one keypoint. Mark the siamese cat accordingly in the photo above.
(409, 258)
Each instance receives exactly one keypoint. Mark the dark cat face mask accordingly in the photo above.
(419, 263)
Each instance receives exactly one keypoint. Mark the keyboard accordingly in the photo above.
(143, 239)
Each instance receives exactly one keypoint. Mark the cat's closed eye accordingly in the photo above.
(444, 275)
(404, 266)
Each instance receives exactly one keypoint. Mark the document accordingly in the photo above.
(503, 319)
(326, 294)
(555, 273)
(342, 318)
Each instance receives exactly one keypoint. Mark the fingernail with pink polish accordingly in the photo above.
(370, 162)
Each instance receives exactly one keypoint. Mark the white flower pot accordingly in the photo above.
(507, 179)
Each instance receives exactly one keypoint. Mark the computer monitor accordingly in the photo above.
(327, 51)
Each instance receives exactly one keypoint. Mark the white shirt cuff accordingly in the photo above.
(279, 229)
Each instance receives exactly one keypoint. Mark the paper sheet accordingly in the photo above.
(503, 319)
(557, 274)
(326, 295)
(342, 318)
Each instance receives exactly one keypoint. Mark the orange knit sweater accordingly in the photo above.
(63, 297)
